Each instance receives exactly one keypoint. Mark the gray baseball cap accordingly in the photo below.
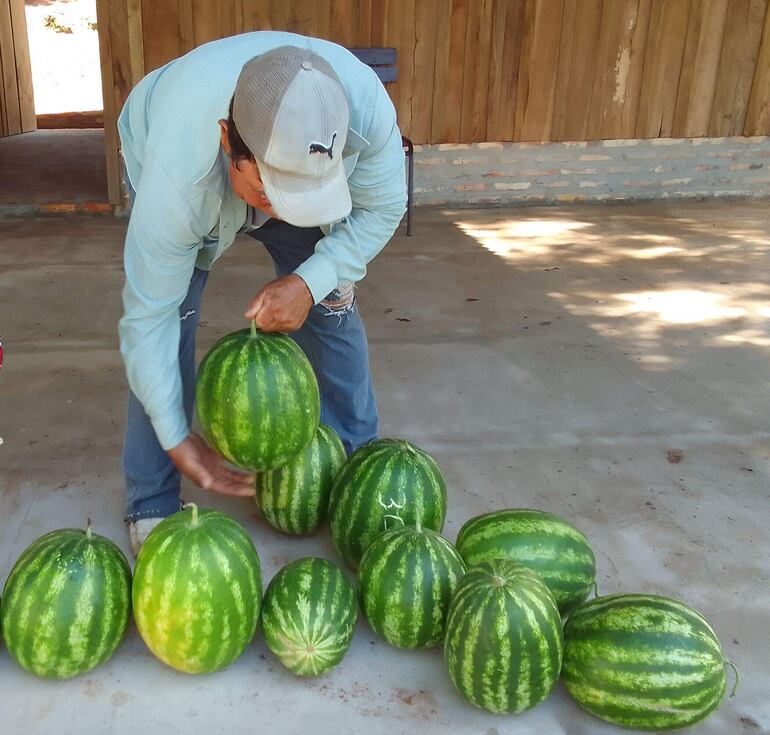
(292, 112)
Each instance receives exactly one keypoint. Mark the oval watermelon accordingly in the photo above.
(405, 582)
(309, 616)
(545, 543)
(383, 484)
(504, 643)
(643, 661)
(257, 399)
(197, 590)
(295, 498)
(66, 603)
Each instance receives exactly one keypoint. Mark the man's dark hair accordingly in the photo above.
(239, 151)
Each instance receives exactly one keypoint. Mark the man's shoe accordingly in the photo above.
(138, 531)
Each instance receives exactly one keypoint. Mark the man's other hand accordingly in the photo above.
(198, 461)
(281, 305)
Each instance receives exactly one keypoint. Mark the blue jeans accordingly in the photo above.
(334, 340)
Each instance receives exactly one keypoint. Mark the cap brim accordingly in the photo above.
(306, 202)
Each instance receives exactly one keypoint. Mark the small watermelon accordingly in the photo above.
(257, 399)
(295, 498)
(197, 590)
(309, 616)
(66, 603)
(545, 543)
(504, 642)
(405, 581)
(384, 484)
(643, 661)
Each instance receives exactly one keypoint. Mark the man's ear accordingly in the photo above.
(223, 136)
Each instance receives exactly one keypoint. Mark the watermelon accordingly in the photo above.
(547, 544)
(197, 590)
(309, 616)
(295, 498)
(384, 484)
(405, 582)
(643, 661)
(504, 642)
(257, 399)
(66, 603)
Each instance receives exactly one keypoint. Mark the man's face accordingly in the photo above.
(245, 179)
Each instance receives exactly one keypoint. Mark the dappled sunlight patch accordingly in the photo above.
(683, 306)
(522, 239)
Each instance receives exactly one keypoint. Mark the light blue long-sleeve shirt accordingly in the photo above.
(171, 146)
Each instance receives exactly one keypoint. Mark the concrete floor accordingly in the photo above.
(556, 358)
(53, 167)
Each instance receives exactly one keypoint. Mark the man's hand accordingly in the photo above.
(281, 305)
(198, 461)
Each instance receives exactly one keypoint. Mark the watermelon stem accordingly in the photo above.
(88, 529)
(737, 676)
(253, 329)
(596, 589)
(194, 522)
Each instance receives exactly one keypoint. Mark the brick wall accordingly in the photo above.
(595, 171)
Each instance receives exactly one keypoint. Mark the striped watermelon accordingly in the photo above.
(66, 603)
(309, 616)
(197, 590)
(295, 498)
(385, 482)
(643, 661)
(257, 399)
(405, 583)
(547, 544)
(504, 642)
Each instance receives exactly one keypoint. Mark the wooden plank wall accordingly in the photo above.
(501, 70)
(17, 105)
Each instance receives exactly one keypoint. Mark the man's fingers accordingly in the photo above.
(238, 477)
(255, 305)
(225, 486)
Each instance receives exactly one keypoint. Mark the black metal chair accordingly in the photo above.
(383, 61)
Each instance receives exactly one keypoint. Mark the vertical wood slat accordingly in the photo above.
(758, 112)
(738, 61)
(662, 68)
(10, 110)
(620, 65)
(537, 80)
(697, 82)
(478, 39)
(505, 51)
(135, 40)
(23, 66)
(579, 48)
(448, 92)
(111, 108)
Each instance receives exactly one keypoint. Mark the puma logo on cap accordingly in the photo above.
(320, 148)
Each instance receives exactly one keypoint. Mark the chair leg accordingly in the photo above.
(409, 150)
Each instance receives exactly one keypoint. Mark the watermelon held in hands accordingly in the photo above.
(197, 590)
(257, 399)
(295, 498)
(545, 543)
(66, 603)
(309, 616)
(643, 661)
(384, 484)
(504, 642)
(406, 581)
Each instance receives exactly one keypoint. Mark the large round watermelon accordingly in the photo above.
(547, 544)
(384, 484)
(309, 616)
(197, 590)
(66, 603)
(504, 642)
(405, 583)
(257, 399)
(295, 498)
(643, 661)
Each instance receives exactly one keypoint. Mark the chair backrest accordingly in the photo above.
(382, 60)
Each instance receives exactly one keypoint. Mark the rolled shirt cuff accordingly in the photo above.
(171, 429)
(319, 275)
